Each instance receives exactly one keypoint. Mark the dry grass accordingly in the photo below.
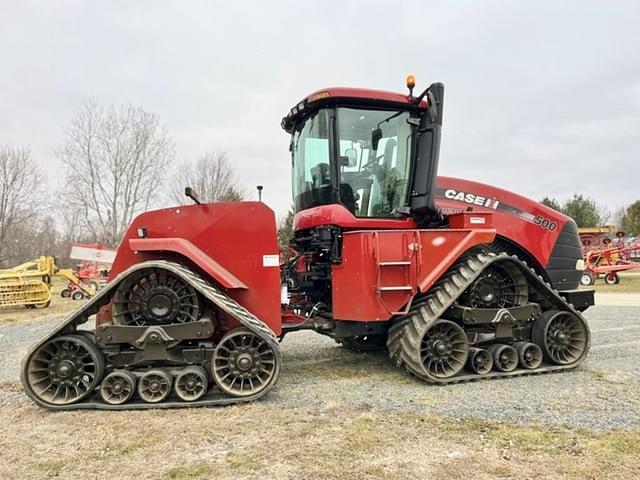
(58, 307)
(267, 441)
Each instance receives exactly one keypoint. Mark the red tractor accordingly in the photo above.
(457, 280)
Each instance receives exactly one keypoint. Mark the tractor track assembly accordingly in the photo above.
(438, 350)
(66, 371)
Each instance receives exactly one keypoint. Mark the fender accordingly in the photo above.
(188, 250)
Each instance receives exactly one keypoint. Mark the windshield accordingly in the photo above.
(372, 169)
(373, 178)
(310, 154)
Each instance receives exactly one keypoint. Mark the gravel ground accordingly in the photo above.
(603, 394)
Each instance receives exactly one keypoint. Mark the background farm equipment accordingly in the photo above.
(609, 260)
(96, 263)
(29, 284)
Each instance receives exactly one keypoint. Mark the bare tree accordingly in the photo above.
(115, 160)
(21, 182)
(212, 176)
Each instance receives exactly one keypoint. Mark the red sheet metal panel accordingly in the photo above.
(233, 244)
(190, 251)
(382, 270)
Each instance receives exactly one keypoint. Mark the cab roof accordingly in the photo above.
(357, 96)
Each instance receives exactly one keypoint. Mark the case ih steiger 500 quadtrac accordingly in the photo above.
(480, 286)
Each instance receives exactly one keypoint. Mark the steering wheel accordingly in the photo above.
(374, 165)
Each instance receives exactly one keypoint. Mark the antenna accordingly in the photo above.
(259, 187)
(191, 193)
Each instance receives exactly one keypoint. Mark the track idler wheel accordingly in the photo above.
(191, 383)
(118, 387)
(64, 370)
(505, 357)
(444, 350)
(480, 361)
(243, 364)
(563, 336)
(155, 385)
(529, 355)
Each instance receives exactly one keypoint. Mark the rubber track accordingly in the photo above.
(405, 335)
(215, 296)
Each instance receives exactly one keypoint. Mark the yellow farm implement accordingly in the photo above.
(29, 284)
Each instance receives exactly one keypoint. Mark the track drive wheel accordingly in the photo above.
(365, 343)
(502, 285)
(63, 370)
(118, 387)
(243, 364)
(154, 296)
(444, 350)
(563, 336)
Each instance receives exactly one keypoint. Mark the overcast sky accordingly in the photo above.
(542, 98)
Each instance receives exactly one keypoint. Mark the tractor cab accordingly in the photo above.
(368, 154)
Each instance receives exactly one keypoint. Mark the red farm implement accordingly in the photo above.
(609, 260)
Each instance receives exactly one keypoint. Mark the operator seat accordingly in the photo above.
(347, 197)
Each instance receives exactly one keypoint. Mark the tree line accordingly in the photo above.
(587, 213)
(118, 161)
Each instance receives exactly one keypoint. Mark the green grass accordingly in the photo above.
(629, 283)
(51, 468)
(197, 470)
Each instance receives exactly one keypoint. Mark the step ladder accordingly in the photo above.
(399, 262)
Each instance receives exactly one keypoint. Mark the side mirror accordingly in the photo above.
(376, 136)
(350, 157)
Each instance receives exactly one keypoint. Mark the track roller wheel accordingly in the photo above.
(529, 354)
(563, 336)
(505, 357)
(118, 387)
(155, 385)
(243, 364)
(191, 383)
(444, 349)
(64, 370)
(480, 361)
(611, 278)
